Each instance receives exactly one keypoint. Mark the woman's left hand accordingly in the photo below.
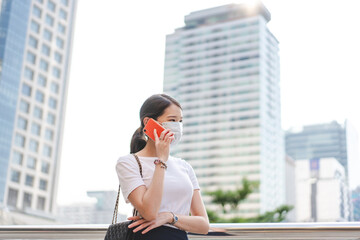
(140, 223)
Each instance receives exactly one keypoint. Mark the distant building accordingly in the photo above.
(223, 67)
(328, 140)
(35, 53)
(99, 212)
(355, 197)
(290, 184)
(321, 191)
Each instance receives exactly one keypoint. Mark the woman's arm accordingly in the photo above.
(147, 200)
(198, 222)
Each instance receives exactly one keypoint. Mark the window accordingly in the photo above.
(44, 65)
(28, 73)
(52, 103)
(59, 43)
(43, 184)
(36, 11)
(40, 203)
(30, 57)
(29, 180)
(47, 151)
(19, 140)
(56, 72)
(17, 158)
(51, 6)
(51, 118)
(22, 123)
(33, 146)
(58, 57)
(49, 20)
(27, 200)
(24, 106)
(33, 42)
(39, 1)
(49, 134)
(45, 167)
(35, 129)
(47, 35)
(42, 80)
(31, 162)
(12, 197)
(61, 28)
(40, 96)
(26, 90)
(65, 2)
(63, 14)
(54, 87)
(45, 49)
(35, 27)
(38, 113)
(15, 176)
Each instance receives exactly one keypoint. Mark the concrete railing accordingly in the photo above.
(343, 231)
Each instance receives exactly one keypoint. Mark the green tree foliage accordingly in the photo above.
(231, 200)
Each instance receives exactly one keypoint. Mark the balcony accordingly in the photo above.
(343, 231)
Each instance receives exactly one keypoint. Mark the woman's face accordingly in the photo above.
(171, 114)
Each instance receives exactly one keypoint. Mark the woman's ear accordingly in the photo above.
(145, 120)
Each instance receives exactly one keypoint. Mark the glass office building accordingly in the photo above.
(223, 67)
(35, 51)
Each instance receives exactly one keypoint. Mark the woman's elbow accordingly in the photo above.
(205, 228)
(149, 215)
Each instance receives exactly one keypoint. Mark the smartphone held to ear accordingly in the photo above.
(150, 126)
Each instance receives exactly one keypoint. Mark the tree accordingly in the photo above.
(231, 199)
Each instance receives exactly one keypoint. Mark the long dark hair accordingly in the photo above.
(153, 107)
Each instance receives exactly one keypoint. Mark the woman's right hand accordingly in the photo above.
(162, 144)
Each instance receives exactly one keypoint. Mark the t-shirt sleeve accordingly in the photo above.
(192, 176)
(129, 176)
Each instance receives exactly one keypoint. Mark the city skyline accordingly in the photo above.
(124, 51)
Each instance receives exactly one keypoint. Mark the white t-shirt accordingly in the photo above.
(179, 182)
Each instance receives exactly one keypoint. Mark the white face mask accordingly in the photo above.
(176, 128)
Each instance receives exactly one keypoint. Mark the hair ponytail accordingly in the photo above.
(138, 140)
(153, 107)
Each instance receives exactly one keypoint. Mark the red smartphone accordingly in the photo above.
(150, 126)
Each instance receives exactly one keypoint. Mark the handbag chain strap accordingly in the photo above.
(114, 219)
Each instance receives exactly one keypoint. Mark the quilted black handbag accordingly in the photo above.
(120, 231)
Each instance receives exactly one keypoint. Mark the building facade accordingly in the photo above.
(321, 191)
(35, 52)
(223, 67)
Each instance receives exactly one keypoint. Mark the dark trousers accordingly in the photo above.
(162, 233)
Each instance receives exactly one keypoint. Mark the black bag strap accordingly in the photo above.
(135, 212)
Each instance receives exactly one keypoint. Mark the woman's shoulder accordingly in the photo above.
(128, 158)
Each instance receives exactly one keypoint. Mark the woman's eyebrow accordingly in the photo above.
(173, 117)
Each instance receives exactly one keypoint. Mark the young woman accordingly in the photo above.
(168, 191)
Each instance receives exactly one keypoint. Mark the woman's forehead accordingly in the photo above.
(173, 110)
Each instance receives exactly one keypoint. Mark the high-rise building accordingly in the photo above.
(321, 191)
(223, 67)
(328, 140)
(35, 52)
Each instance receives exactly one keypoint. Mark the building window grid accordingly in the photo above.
(37, 11)
(28, 73)
(42, 80)
(45, 49)
(24, 106)
(38, 112)
(17, 158)
(31, 162)
(35, 27)
(49, 20)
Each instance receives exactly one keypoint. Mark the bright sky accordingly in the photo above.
(118, 59)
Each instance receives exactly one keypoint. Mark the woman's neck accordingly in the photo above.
(148, 151)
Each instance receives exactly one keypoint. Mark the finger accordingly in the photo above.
(162, 135)
(168, 135)
(134, 218)
(156, 136)
(142, 226)
(148, 229)
(137, 223)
